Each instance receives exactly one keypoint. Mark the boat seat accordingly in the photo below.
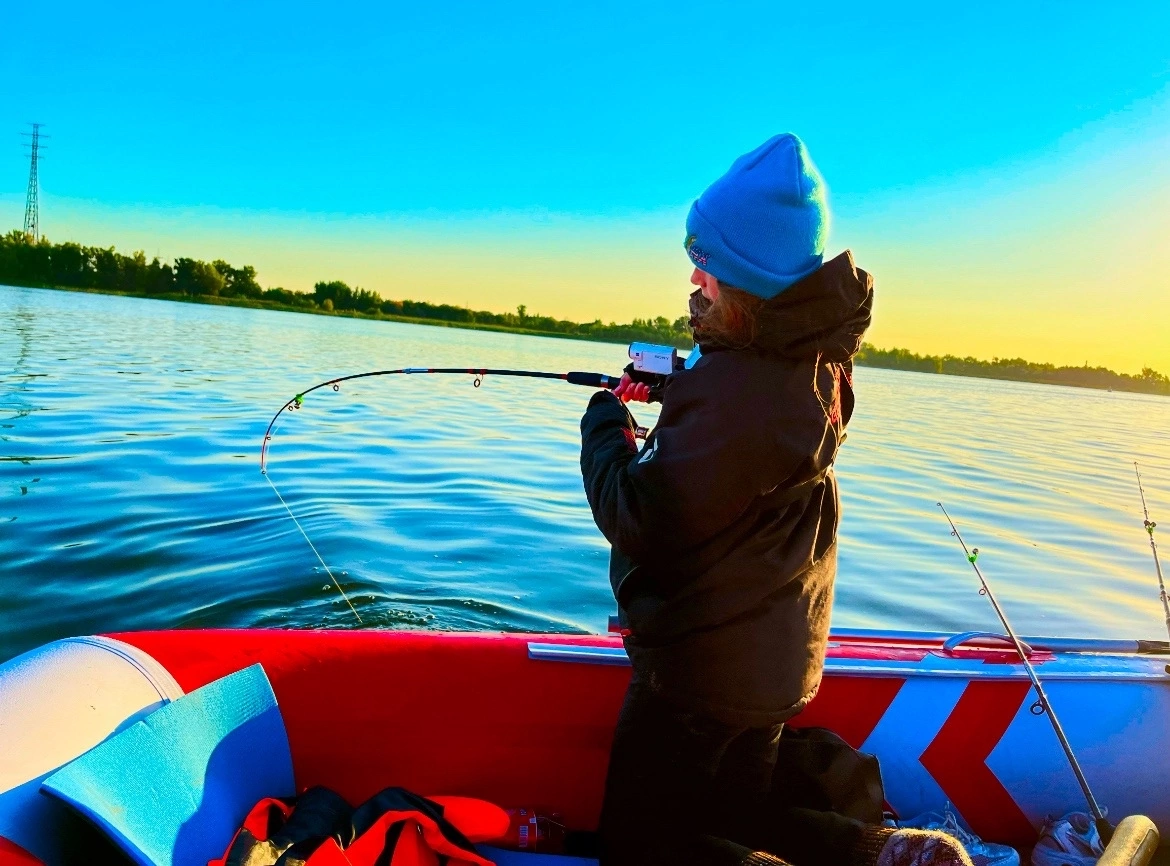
(174, 787)
(57, 702)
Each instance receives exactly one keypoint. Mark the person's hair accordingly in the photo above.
(731, 318)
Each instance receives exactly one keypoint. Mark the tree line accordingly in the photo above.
(337, 296)
(74, 266)
(1149, 381)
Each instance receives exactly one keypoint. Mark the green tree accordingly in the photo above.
(194, 277)
(134, 271)
(160, 278)
(336, 291)
(366, 301)
(1158, 380)
(71, 266)
(238, 282)
(244, 282)
(107, 268)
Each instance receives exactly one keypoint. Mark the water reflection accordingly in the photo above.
(439, 505)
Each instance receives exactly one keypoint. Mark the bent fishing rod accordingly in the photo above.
(1150, 526)
(1104, 828)
(589, 380)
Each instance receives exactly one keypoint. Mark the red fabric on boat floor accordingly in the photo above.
(396, 827)
(466, 715)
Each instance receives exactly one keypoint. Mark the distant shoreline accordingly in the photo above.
(103, 270)
(258, 304)
(1010, 370)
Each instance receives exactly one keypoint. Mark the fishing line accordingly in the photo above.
(589, 380)
(312, 546)
(1150, 526)
(1103, 826)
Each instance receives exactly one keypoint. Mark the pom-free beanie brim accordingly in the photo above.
(729, 266)
(762, 226)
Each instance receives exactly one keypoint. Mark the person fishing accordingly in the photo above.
(724, 535)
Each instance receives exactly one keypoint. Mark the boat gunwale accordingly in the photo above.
(968, 662)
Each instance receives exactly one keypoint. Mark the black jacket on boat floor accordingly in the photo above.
(724, 525)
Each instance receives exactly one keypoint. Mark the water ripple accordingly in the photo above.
(130, 492)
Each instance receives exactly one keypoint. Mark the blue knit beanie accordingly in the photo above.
(762, 226)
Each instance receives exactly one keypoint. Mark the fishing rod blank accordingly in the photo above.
(589, 380)
(1103, 826)
(1150, 526)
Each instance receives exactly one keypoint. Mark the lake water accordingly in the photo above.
(131, 496)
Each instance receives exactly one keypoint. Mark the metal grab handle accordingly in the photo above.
(952, 643)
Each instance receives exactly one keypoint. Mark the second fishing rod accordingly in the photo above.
(1104, 828)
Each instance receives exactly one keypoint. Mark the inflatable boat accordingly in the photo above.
(524, 720)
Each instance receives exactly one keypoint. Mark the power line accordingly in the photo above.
(32, 205)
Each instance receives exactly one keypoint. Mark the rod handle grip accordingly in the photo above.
(592, 380)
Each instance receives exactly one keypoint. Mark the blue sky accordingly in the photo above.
(429, 150)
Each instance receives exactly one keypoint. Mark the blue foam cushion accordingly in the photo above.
(174, 787)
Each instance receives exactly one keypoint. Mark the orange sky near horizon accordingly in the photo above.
(1063, 257)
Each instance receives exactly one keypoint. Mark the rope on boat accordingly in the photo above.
(589, 380)
(1103, 825)
(1150, 526)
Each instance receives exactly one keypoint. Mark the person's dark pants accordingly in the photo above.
(679, 783)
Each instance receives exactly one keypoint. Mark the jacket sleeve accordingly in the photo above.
(699, 470)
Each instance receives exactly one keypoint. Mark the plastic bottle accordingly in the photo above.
(529, 830)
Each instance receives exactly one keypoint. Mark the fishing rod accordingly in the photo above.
(1150, 526)
(589, 380)
(1104, 828)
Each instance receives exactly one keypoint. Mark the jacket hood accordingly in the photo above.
(825, 315)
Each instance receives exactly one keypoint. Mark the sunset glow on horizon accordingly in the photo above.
(1008, 187)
